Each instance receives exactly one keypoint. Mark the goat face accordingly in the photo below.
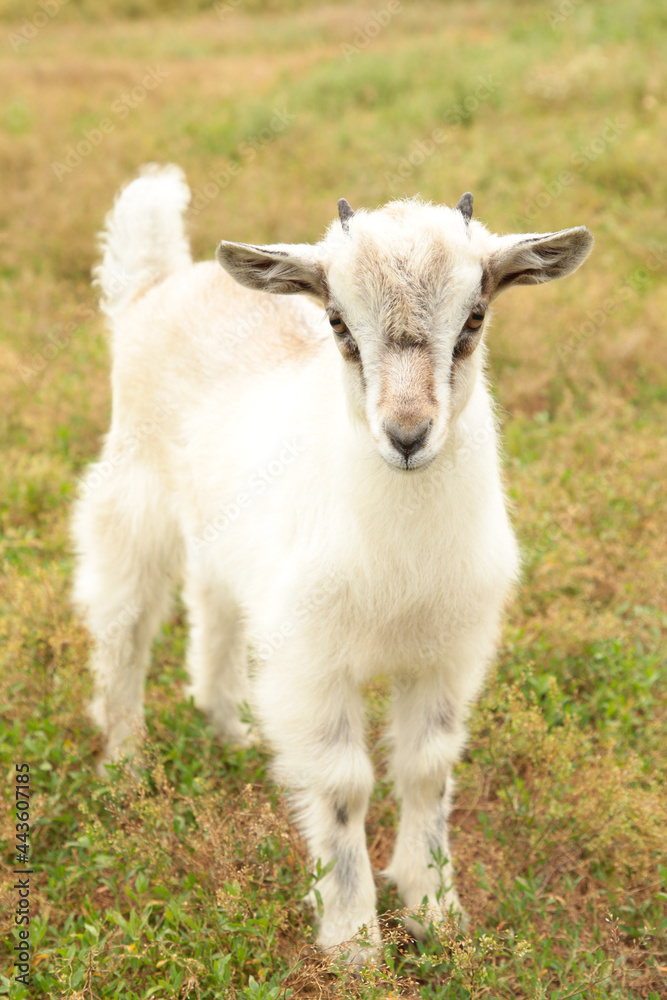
(407, 311)
(407, 290)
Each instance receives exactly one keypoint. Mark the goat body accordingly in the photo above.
(332, 500)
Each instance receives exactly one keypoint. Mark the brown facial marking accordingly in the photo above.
(407, 385)
(324, 282)
(349, 350)
(344, 339)
(486, 289)
(464, 346)
(470, 336)
(402, 287)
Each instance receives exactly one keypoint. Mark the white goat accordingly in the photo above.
(332, 499)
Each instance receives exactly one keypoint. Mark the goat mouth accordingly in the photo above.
(410, 465)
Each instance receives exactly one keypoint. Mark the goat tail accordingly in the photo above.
(143, 240)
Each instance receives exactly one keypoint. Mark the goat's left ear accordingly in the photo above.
(531, 260)
(281, 269)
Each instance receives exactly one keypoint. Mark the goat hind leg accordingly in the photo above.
(217, 658)
(129, 559)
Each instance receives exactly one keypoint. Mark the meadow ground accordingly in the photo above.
(186, 883)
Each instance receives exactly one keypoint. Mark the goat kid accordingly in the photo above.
(321, 471)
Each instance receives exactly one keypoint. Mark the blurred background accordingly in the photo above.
(553, 114)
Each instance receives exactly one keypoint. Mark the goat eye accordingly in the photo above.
(337, 325)
(475, 319)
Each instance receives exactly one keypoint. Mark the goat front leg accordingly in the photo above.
(427, 736)
(315, 723)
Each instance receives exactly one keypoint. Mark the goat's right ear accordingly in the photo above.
(539, 257)
(282, 269)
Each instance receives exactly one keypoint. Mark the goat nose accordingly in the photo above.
(407, 442)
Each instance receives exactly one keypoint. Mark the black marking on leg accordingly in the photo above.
(445, 718)
(339, 733)
(342, 816)
(345, 873)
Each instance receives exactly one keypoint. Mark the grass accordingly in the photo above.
(187, 881)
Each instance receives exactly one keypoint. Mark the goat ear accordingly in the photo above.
(531, 260)
(282, 269)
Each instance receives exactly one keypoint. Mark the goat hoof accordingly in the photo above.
(238, 735)
(126, 757)
(122, 749)
(363, 949)
(420, 919)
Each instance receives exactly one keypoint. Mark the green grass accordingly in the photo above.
(188, 879)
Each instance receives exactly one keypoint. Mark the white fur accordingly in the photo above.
(260, 474)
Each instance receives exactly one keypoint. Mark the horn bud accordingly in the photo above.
(465, 206)
(345, 212)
